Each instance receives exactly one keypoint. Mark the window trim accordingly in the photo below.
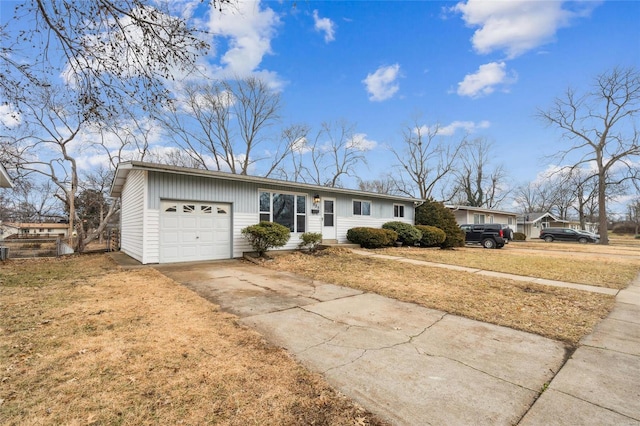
(296, 214)
(398, 208)
(353, 205)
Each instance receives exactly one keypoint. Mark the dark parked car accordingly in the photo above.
(490, 235)
(566, 234)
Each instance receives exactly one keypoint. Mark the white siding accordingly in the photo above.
(132, 215)
(152, 236)
(241, 220)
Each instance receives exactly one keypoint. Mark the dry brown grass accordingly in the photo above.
(557, 313)
(604, 269)
(85, 343)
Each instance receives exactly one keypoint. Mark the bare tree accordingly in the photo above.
(71, 67)
(384, 185)
(536, 197)
(223, 125)
(478, 183)
(108, 49)
(600, 127)
(334, 152)
(425, 159)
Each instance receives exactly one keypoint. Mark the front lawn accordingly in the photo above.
(558, 313)
(553, 261)
(82, 342)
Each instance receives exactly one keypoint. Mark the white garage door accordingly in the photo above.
(194, 231)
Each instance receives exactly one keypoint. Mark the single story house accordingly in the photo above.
(530, 224)
(34, 230)
(5, 179)
(478, 215)
(178, 214)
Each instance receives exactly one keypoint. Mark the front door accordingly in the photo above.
(329, 219)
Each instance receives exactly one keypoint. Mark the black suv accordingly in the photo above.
(566, 234)
(490, 235)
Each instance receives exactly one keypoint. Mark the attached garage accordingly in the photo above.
(191, 231)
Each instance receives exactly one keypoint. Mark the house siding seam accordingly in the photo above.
(132, 216)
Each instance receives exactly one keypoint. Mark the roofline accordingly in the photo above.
(479, 209)
(124, 168)
(5, 179)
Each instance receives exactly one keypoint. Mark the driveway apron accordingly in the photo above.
(408, 364)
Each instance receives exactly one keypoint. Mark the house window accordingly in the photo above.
(398, 210)
(510, 221)
(478, 219)
(361, 208)
(286, 209)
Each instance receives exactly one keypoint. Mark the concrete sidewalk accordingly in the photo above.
(413, 365)
(600, 383)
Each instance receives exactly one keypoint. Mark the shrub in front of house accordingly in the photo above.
(519, 236)
(310, 241)
(434, 213)
(408, 234)
(372, 237)
(266, 235)
(431, 236)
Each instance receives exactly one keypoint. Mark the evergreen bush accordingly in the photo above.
(519, 236)
(266, 235)
(431, 236)
(408, 234)
(434, 213)
(372, 237)
(310, 241)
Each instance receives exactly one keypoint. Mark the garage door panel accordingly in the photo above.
(195, 231)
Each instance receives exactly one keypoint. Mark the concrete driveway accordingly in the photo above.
(408, 364)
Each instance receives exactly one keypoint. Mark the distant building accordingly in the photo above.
(34, 230)
(530, 224)
(479, 215)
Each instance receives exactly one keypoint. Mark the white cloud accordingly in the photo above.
(453, 127)
(485, 81)
(325, 25)
(9, 117)
(360, 142)
(467, 126)
(249, 30)
(517, 26)
(382, 85)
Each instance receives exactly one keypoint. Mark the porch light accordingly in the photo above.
(316, 199)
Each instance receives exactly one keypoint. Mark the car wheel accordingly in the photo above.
(548, 238)
(582, 240)
(488, 243)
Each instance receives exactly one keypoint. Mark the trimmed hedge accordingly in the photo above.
(431, 236)
(408, 234)
(372, 237)
(266, 235)
(519, 236)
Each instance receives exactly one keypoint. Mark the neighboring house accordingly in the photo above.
(34, 230)
(478, 215)
(5, 180)
(176, 214)
(530, 224)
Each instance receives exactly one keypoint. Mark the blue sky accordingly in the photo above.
(480, 67)
(521, 56)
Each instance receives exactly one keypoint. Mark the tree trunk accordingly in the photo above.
(602, 210)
